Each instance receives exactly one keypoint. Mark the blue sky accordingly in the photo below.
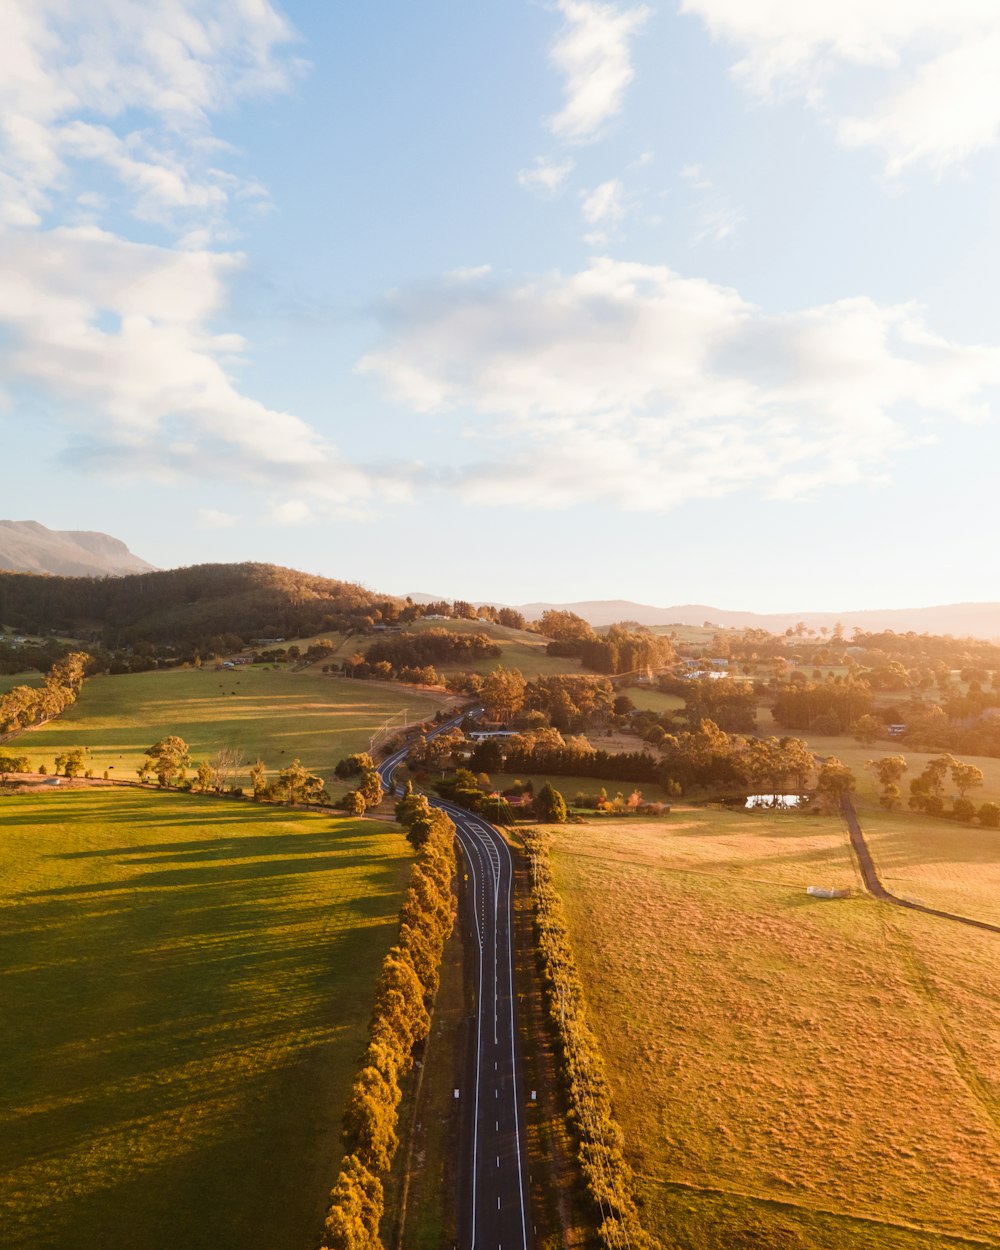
(676, 302)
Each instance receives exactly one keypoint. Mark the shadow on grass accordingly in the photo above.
(175, 1059)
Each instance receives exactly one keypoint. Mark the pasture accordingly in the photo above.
(940, 863)
(273, 713)
(825, 1072)
(9, 680)
(185, 988)
(855, 756)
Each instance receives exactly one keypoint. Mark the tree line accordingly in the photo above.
(24, 706)
(400, 1021)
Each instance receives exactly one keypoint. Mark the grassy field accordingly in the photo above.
(940, 863)
(271, 712)
(9, 680)
(520, 649)
(185, 988)
(569, 787)
(856, 756)
(653, 700)
(827, 1069)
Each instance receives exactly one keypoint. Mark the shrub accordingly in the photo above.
(989, 816)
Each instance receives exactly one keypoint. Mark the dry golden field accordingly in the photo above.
(940, 863)
(827, 1070)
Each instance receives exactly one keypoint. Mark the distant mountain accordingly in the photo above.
(976, 620)
(28, 547)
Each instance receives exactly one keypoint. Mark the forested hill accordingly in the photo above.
(210, 606)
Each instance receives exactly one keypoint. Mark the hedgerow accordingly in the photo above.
(400, 1020)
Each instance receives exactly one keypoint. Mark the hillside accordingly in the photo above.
(211, 606)
(28, 547)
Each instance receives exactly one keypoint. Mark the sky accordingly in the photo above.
(677, 302)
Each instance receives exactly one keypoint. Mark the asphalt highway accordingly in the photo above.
(494, 1213)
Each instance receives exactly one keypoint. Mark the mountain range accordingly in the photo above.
(28, 547)
(976, 620)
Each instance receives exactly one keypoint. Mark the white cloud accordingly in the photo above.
(630, 384)
(594, 57)
(605, 203)
(546, 176)
(119, 332)
(157, 71)
(213, 519)
(292, 512)
(937, 66)
(695, 176)
(117, 96)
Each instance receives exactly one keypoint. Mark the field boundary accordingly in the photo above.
(873, 883)
(786, 1204)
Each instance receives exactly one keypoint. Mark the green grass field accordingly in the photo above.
(185, 988)
(830, 1069)
(9, 680)
(271, 712)
(652, 699)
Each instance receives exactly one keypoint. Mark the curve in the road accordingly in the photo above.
(495, 1209)
(873, 883)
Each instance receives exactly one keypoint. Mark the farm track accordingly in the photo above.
(874, 885)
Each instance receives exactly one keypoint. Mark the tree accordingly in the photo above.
(258, 778)
(296, 784)
(866, 729)
(963, 809)
(989, 816)
(502, 694)
(370, 788)
(204, 777)
(550, 806)
(169, 758)
(966, 777)
(353, 764)
(353, 803)
(888, 772)
(225, 764)
(13, 764)
(72, 763)
(927, 790)
(835, 780)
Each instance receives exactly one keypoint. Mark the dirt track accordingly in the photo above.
(875, 887)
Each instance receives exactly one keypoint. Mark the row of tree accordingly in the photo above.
(24, 706)
(608, 1177)
(400, 1021)
(434, 646)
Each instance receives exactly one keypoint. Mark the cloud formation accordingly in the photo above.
(545, 175)
(113, 101)
(129, 87)
(630, 384)
(593, 55)
(937, 67)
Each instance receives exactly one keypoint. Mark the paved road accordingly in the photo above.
(494, 1209)
(873, 883)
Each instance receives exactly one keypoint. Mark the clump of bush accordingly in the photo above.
(609, 1178)
(400, 1021)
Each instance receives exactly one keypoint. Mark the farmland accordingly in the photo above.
(767, 1050)
(185, 989)
(263, 711)
(9, 681)
(940, 863)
